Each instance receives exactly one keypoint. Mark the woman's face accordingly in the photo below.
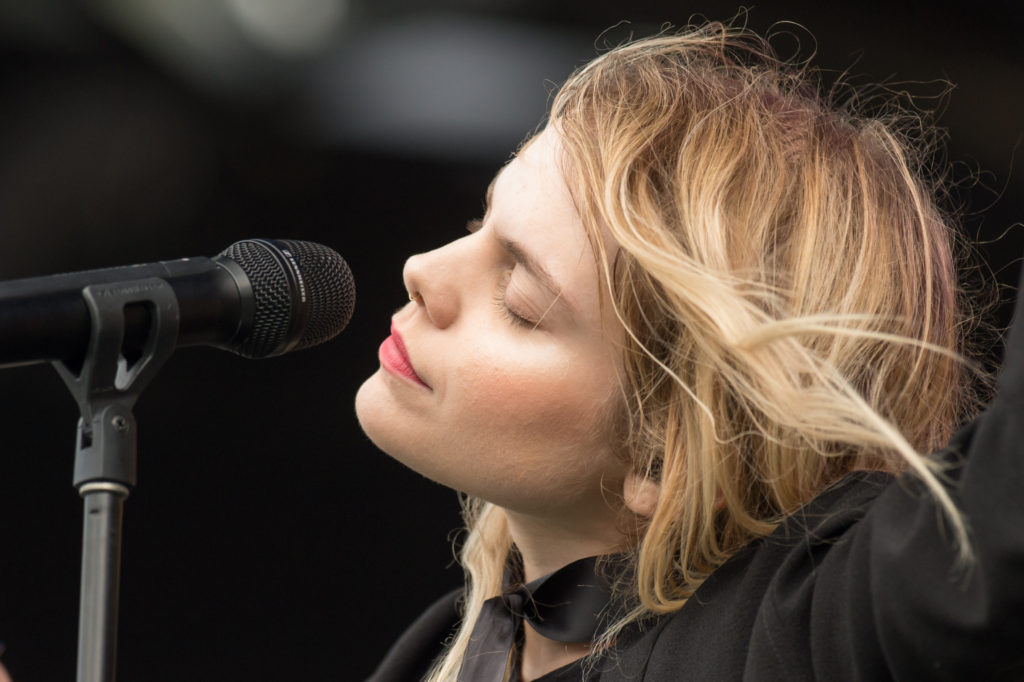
(501, 378)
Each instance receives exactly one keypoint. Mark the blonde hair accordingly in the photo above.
(789, 293)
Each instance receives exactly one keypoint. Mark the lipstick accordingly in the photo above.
(395, 358)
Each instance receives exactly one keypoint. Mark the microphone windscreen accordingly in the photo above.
(332, 291)
(282, 273)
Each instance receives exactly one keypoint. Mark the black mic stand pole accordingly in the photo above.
(106, 388)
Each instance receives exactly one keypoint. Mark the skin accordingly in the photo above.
(517, 413)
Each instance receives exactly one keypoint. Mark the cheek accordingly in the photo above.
(551, 413)
(549, 399)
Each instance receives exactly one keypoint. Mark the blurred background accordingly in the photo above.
(267, 539)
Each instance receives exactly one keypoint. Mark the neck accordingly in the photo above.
(541, 655)
(546, 547)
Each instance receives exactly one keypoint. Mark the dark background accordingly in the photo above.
(267, 539)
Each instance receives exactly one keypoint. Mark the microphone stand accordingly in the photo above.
(106, 388)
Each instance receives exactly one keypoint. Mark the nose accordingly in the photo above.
(433, 279)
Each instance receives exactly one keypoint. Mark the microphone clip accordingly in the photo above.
(112, 376)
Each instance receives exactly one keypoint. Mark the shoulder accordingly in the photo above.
(734, 622)
(412, 655)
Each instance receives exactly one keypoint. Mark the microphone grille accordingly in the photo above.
(332, 290)
(327, 285)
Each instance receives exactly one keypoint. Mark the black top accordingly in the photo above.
(861, 584)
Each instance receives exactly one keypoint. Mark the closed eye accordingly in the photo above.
(501, 303)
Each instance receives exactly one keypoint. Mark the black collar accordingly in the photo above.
(568, 605)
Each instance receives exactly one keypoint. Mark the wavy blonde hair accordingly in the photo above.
(789, 293)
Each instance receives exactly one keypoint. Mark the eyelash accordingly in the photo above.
(502, 305)
(499, 298)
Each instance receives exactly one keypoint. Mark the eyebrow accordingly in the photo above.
(524, 258)
(534, 267)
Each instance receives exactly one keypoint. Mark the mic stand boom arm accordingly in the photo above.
(106, 387)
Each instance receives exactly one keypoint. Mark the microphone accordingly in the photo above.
(258, 298)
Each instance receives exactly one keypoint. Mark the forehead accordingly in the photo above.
(530, 204)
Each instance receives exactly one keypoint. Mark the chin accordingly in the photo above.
(391, 428)
(374, 415)
(395, 432)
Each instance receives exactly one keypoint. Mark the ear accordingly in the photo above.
(640, 494)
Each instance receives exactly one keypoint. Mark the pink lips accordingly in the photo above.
(395, 358)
